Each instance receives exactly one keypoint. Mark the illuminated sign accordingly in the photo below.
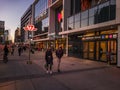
(30, 28)
(114, 35)
(106, 36)
(60, 16)
(111, 36)
(103, 36)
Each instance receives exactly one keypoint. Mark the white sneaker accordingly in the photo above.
(47, 72)
(50, 72)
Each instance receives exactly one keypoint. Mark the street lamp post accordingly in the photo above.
(30, 28)
(29, 52)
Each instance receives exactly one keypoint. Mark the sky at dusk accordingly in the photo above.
(11, 11)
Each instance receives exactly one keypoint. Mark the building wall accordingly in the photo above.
(118, 11)
(66, 13)
(103, 26)
(118, 21)
(51, 20)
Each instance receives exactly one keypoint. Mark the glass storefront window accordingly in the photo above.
(85, 55)
(85, 50)
(85, 46)
(70, 23)
(91, 20)
(91, 46)
(92, 11)
(84, 22)
(112, 9)
(75, 45)
(45, 24)
(77, 17)
(41, 6)
(113, 2)
(71, 19)
(84, 15)
(70, 27)
(77, 24)
(103, 12)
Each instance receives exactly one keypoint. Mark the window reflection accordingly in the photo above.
(92, 11)
(84, 14)
(91, 20)
(41, 6)
(45, 24)
(70, 27)
(104, 11)
(77, 24)
(84, 22)
(77, 17)
(70, 20)
(112, 9)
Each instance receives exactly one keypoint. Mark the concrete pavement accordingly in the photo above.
(77, 74)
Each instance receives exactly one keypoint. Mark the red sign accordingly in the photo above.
(60, 16)
(30, 28)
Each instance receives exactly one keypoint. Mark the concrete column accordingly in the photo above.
(66, 45)
(117, 11)
(51, 15)
(118, 58)
(66, 13)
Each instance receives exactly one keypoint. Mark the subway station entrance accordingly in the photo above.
(92, 50)
(99, 47)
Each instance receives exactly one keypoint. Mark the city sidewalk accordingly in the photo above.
(77, 74)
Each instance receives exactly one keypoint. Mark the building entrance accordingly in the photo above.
(107, 51)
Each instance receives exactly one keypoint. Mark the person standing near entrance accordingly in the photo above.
(101, 52)
(59, 54)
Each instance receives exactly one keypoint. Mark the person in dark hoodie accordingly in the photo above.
(49, 60)
(59, 54)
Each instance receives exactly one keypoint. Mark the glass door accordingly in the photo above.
(97, 50)
(103, 51)
(91, 50)
(85, 50)
(112, 49)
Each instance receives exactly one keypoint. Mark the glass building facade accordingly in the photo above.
(41, 23)
(87, 44)
(41, 16)
(40, 7)
(99, 13)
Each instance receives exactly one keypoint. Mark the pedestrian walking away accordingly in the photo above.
(49, 60)
(59, 54)
(12, 50)
(5, 55)
(19, 50)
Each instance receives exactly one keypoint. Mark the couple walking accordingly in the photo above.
(49, 59)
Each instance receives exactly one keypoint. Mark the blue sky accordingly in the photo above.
(11, 12)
